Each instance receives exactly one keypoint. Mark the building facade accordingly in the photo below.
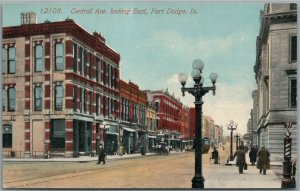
(151, 126)
(169, 117)
(60, 84)
(276, 69)
(133, 117)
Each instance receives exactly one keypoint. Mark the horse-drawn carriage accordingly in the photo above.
(161, 149)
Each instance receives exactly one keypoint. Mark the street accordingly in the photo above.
(172, 171)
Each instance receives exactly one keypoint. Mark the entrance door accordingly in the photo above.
(37, 138)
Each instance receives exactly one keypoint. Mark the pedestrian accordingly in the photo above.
(240, 158)
(215, 155)
(101, 154)
(252, 155)
(263, 161)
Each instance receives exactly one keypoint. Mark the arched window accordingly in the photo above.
(38, 98)
(38, 58)
(59, 56)
(11, 99)
(7, 136)
(59, 94)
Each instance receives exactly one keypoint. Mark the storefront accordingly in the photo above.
(82, 137)
(129, 139)
(151, 142)
(111, 137)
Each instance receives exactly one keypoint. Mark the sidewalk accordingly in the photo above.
(80, 159)
(225, 176)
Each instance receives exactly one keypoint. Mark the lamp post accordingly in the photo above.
(237, 138)
(198, 91)
(231, 126)
(106, 128)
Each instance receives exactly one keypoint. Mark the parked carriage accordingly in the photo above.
(161, 149)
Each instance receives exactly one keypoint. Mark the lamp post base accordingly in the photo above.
(198, 182)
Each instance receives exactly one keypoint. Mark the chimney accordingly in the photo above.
(99, 37)
(28, 18)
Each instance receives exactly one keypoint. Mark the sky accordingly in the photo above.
(155, 47)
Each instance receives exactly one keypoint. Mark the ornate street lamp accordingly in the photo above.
(106, 128)
(231, 126)
(198, 91)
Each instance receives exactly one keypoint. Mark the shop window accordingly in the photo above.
(58, 134)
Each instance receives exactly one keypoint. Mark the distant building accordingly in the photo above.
(169, 113)
(151, 125)
(133, 116)
(60, 84)
(276, 76)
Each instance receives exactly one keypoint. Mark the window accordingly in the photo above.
(84, 101)
(75, 57)
(293, 93)
(59, 56)
(104, 73)
(97, 104)
(293, 6)
(80, 100)
(11, 99)
(109, 75)
(3, 100)
(74, 98)
(81, 61)
(38, 98)
(104, 106)
(4, 55)
(91, 66)
(7, 136)
(11, 60)
(58, 100)
(84, 62)
(91, 103)
(294, 48)
(38, 58)
(98, 71)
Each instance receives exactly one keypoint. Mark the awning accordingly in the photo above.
(129, 129)
(112, 133)
(152, 137)
(184, 141)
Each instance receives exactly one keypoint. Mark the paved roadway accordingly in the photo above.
(172, 171)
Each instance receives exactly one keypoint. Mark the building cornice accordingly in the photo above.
(67, 26)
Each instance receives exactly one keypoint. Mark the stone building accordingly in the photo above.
(60, 84)
(275, 72)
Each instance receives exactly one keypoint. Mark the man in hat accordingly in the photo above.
(101, 154)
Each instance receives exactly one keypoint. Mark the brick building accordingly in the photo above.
(170, 113)
(60, 83)
(133, 116)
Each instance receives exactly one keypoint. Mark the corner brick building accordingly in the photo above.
(60, 84)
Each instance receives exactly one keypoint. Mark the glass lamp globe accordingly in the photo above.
(198, 64)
